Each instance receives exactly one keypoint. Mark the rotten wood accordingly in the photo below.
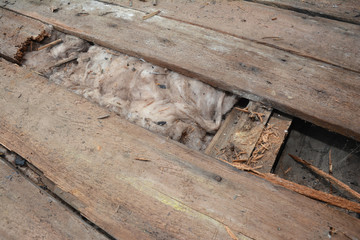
(186, 194)
(348, 10)
(238, 135)
(27, 212)
(271, 140)
(328, 177)
(320, 93)
(314, 37)
(311, 193)
(16, 34)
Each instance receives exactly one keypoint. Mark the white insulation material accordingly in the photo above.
(162, 101)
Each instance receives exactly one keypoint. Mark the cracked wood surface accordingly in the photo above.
(320, 93)
(16, 34)
(178, 194)
(26, 212)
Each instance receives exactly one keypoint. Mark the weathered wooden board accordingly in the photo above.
(26, 212)
(179, 193)
(317, 92)
(343, 10)
(314, 37)
(279, 124)
(16, 34)
(239, 133)
(243, 139)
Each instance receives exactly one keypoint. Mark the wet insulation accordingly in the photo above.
(153, 97)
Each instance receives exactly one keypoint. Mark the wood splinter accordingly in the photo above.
(66, 60)
(142, 159)
(50, 44)
(231, 234)
(246, 110)
(151, 14)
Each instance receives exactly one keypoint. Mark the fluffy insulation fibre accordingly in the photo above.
(163, 101)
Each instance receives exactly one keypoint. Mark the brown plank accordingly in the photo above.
(343, 10)
(317, 92)
(250, 142)
(315, 37)
(16, 34)
(271, 141)
(238, 135)
(179, 193)
(26, 212)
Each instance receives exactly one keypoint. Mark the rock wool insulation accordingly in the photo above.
(153, 97)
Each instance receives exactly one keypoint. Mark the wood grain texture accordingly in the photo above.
(178, 194)
(314, 91)
(314, 37)
(280, 125)
(343, 10)
(16, 34)
(26, 212)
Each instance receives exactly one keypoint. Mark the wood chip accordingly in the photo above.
(330, 164)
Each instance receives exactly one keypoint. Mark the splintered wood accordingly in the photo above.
(16, 36)
(328, 177)
(249, 139)
(238, 135)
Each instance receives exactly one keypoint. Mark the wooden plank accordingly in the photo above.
(238, 135)
(317, 92)
(343, 10)
(318, 38)
(243, 140)
(16, 34)
(271, 141)
(27, 212)
(179, 193)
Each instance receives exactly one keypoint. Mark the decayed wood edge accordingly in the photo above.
(233, 122)
(321, 41)
(37, 151)
(48, 217)
(311, 193)
(280, 124)
(335, 111)
(27, 30)
(235, 132)
(328, 177)
(313, 8)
